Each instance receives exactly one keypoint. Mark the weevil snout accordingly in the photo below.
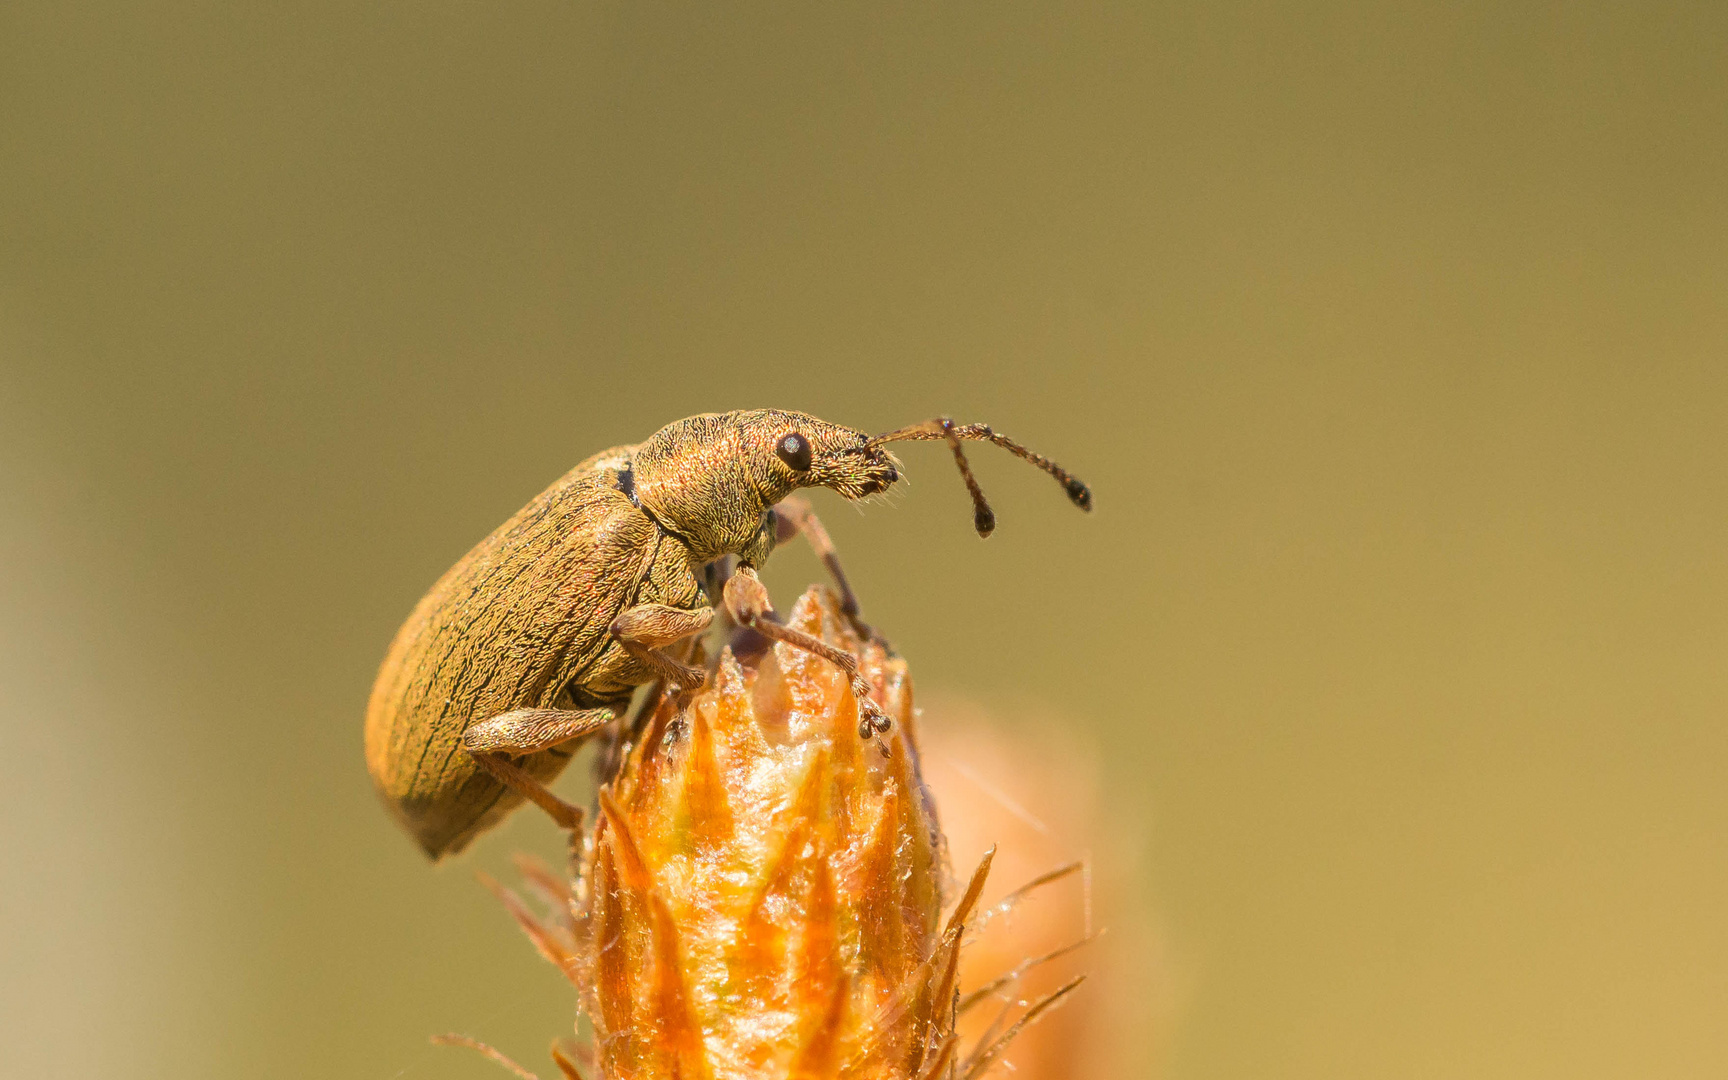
(861, 471)
(880, 474)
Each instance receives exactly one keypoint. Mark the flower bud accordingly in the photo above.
(761, 893)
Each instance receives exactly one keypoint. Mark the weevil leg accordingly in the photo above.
(747, 602)
(794, 516)
(526, 731)
(564, 815)
(492, 742)
(645, 630)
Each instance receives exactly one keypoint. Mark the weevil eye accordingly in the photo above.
(794, 450)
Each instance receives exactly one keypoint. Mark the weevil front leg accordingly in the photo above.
(794, 516)
(494, 741)
(747, 601)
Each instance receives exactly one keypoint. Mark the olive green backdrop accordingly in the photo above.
(1393, 338)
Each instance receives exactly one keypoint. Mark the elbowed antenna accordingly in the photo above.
(983, 518)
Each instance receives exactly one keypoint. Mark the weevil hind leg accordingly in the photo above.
(564, 815)
(494, 741)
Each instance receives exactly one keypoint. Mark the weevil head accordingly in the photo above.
(806, 452)
(710, 478)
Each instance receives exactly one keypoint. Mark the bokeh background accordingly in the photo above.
(1391, 336)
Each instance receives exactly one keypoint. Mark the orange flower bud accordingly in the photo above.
(761, 894)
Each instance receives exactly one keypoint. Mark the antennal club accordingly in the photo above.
(983, 518)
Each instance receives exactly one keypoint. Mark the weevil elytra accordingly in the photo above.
(538, 637)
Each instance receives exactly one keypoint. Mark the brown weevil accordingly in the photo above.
(538, 637)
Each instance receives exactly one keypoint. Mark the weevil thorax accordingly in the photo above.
(710, 479)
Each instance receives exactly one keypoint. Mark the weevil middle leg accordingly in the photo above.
(645, 630)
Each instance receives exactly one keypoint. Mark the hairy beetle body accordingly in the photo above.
(542, 632)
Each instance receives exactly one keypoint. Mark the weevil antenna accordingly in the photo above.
(944, 428)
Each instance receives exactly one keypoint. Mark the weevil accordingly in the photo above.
(539, 636)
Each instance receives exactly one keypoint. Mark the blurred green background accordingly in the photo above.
(1393, 339)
